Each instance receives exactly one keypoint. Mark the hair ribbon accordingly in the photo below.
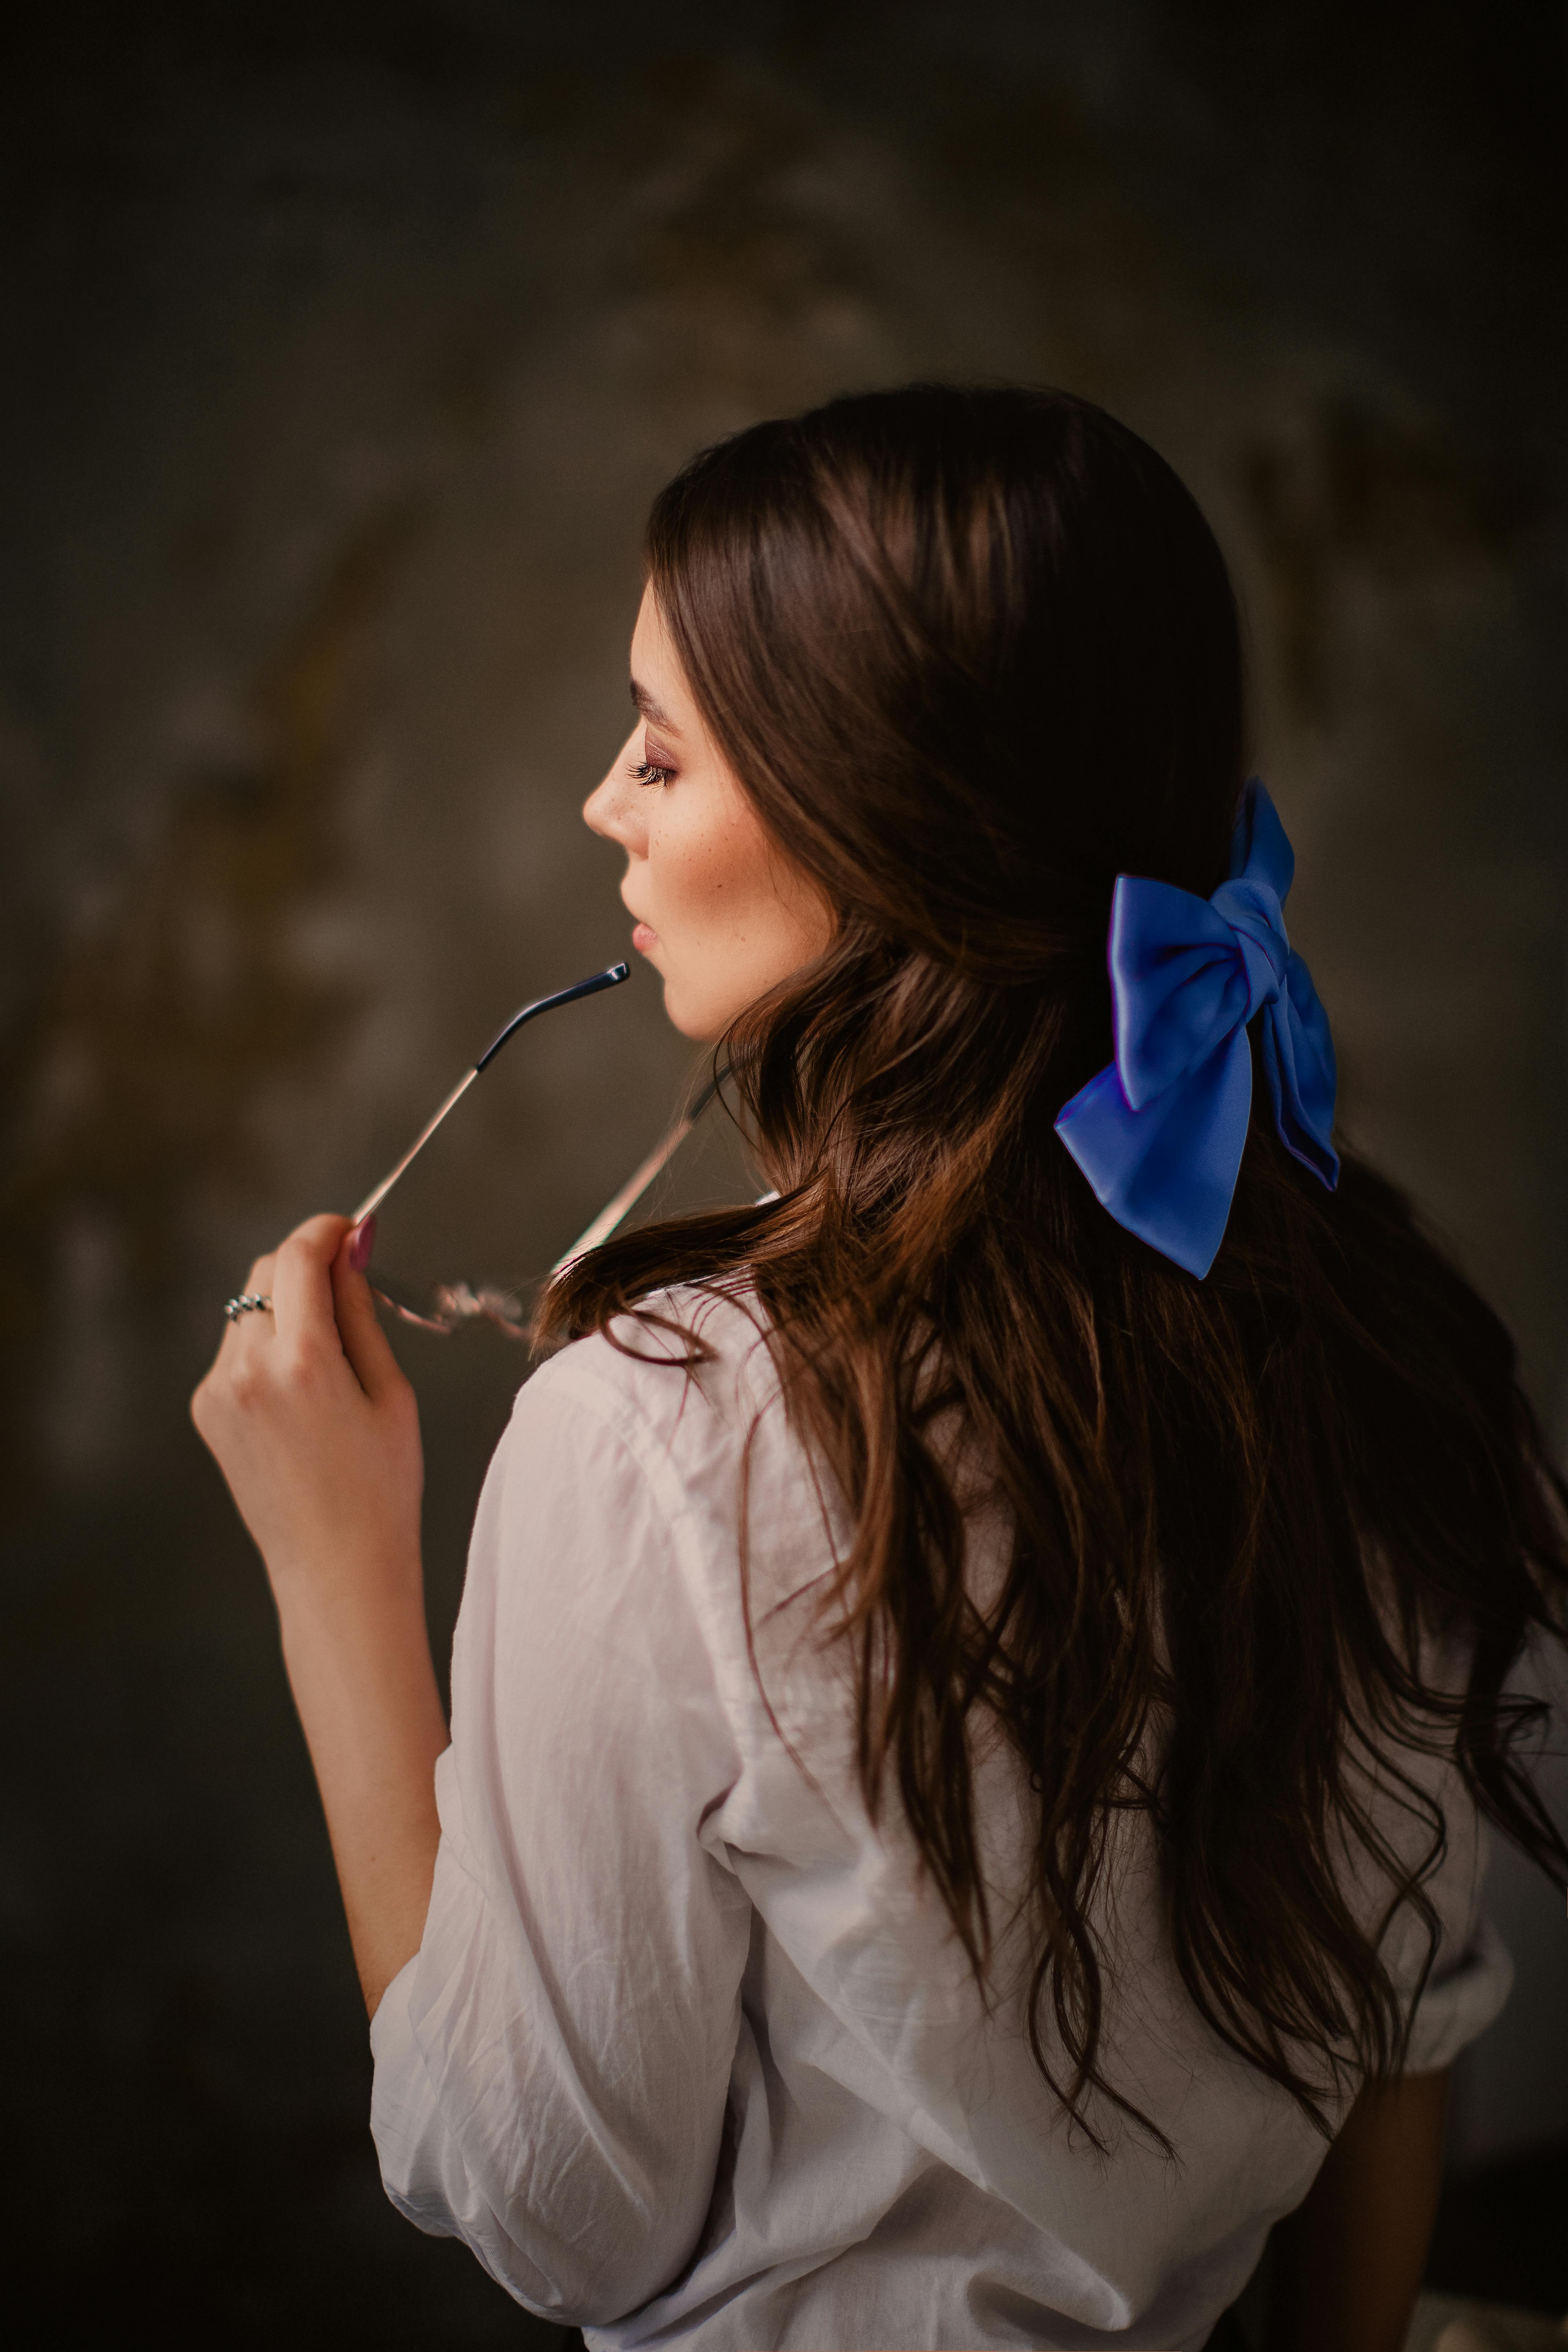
(1161, 1132)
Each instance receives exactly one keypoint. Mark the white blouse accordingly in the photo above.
(689, 2054)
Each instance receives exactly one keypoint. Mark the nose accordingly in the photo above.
(597, 808)
(613, 809)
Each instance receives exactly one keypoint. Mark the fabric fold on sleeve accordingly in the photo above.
(401, 2120)
(1459, 2001)
(552, 2066)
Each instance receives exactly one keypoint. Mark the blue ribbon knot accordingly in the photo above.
(1160, 1134)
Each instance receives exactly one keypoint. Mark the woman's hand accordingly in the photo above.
(313, 1425)
(317, 1432)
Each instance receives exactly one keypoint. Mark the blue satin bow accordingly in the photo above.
(1160, 1134)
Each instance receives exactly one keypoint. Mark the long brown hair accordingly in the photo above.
(972, 654)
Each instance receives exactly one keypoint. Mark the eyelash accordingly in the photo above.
(647, 771)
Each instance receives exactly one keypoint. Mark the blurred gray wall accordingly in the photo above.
(345, 348)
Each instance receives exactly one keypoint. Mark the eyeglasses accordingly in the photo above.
(446, 1306)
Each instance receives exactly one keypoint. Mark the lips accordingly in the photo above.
(644, 938)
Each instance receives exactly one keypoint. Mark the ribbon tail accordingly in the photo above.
(1260, 850)
(1167, 1173)
(1299, 1063)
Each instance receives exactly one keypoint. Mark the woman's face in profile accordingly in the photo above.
(722, 914)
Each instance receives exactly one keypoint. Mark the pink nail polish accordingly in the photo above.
(363, 1244)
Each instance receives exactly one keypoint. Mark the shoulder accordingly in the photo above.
(682, 1390)
(668, 1438)
(602, 1558)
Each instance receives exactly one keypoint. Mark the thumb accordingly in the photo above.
(365, 1343)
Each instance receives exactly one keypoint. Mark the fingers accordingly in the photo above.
(239, 1354)
(365, 1344)
(258, 1281)
(316, 1433)
(301, 1284)
(241, 1333)
(321, 1305)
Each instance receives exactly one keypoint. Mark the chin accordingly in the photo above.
(702, 1031)
(702, 1022)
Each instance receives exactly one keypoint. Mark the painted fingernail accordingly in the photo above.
(362, 1246)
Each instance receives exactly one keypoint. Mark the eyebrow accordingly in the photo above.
(652, 710)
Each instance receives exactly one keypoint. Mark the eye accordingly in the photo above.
(648, 771)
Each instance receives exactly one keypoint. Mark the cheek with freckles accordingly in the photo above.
(711, 871)
(732, 919)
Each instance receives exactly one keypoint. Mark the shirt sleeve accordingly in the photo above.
(1461, 1984)
(551, 2067)
(1459, 2003)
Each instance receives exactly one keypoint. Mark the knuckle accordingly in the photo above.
(297, 1368)
(317, 1236)
(247, 1383)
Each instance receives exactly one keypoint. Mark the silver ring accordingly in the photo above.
(248, 1302)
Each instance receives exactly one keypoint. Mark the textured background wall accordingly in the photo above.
(345, 346)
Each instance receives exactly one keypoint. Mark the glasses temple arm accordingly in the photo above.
(611, 977)
(615, 1212)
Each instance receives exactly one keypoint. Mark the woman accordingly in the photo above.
(979, 1674)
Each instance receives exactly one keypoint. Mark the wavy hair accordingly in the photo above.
(973, 653)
